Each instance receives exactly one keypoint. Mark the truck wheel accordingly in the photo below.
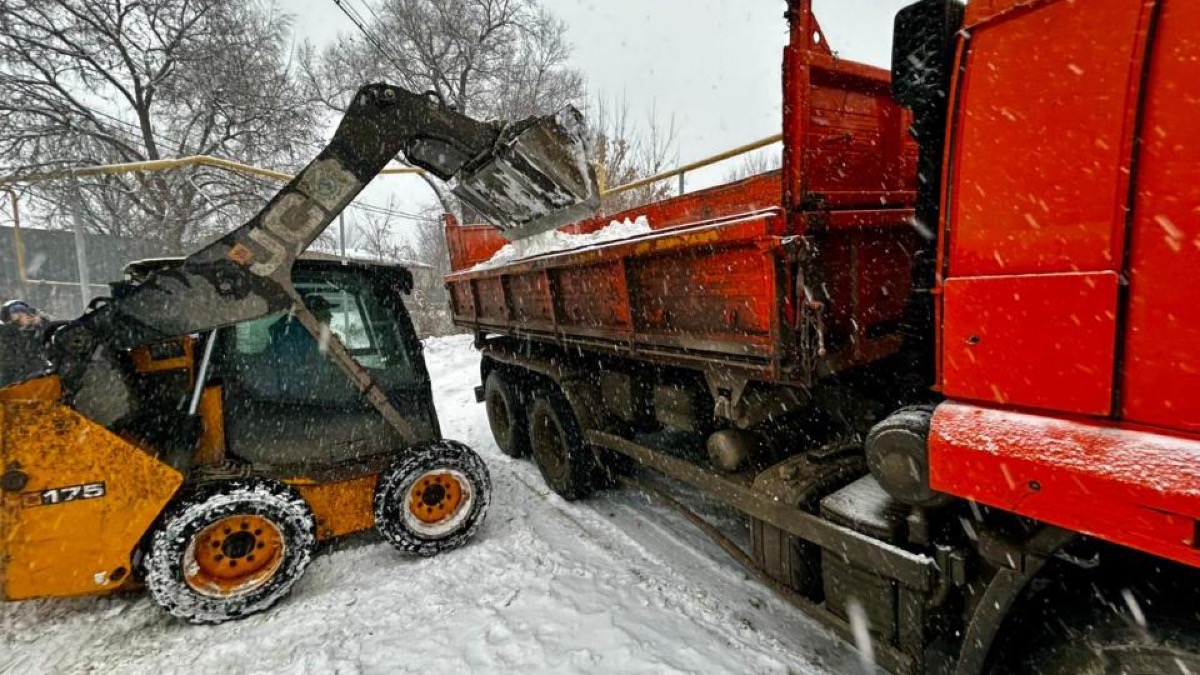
(506, 416)
(1105, 648)
(1102, 639)
(228, 550)
(432, 498)
(568, 466)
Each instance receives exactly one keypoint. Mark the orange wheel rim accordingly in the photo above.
(234, 555)
(435, 496)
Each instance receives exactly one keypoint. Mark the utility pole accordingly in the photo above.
(85, 286)
(19, 246)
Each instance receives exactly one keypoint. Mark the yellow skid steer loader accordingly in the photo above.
(204, 428)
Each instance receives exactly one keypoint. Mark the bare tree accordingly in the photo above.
(502, 59)
(626, 151)
(99, 81)
(754, 163)
(377, 235)
(431, 301)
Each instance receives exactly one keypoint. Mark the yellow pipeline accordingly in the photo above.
(220, 163)
(166, 165)
(699, 164)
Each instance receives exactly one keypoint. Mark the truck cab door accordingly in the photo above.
(1043, 119)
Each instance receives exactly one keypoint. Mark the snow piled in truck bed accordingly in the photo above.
(554, 241)
(613, 584)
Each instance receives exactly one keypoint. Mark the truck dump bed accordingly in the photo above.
(781, 276)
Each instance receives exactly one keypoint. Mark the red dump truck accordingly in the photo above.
(946, 361)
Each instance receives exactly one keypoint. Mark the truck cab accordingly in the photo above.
(950, 384)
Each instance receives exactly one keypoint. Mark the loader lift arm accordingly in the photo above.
(526, 177)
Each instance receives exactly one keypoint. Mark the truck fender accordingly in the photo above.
(1001, 593)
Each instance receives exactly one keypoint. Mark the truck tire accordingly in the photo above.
(1100, 636)
(567, 464)
(229, 549)
(506, 416)
(433, 498)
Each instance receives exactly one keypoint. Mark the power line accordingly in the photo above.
(357, 20)
(371, 11)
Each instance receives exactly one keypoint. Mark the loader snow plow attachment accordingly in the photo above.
(537, 179)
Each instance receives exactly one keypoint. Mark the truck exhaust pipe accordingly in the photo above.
(537, 177)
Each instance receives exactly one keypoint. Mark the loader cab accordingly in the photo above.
(284, 406)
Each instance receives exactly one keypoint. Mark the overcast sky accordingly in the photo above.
(713, 64)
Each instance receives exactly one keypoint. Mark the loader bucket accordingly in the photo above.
(537, 180)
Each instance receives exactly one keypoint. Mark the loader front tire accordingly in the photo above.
(432, 498)
(506, 416)
(566, 463)
(229, 549)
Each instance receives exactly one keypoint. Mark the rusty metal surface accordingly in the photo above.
(471, 244)
(701, 291)
(709, 292)
(891, 562)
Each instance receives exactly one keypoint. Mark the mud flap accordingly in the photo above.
(537, 180)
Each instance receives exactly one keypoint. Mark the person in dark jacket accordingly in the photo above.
(21, 313)
(22, 347)
(303, 371)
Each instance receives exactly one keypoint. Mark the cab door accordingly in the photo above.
(1038, 185)
(287, 405)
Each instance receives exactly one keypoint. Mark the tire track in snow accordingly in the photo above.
(547, 587)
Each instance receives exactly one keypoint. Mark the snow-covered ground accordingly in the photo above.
(616, 584)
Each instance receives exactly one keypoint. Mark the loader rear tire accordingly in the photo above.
(229, 549)
(432, 498)
(567, 464)
(506, 416)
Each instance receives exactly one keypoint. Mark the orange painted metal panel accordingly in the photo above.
(720, 201)
(592, 296)
(1040, 341)
(1161, 369)
(342, 507)
(530, 296)
(462, 299)
(983, 10)
(89, 498)
(1040, 165)
(211, 448)
(470, 244)
(476, 243)
(1129, 487)
(492, 303)
(724, 291)
(47, 388)
(705, 289)
(857, 149)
